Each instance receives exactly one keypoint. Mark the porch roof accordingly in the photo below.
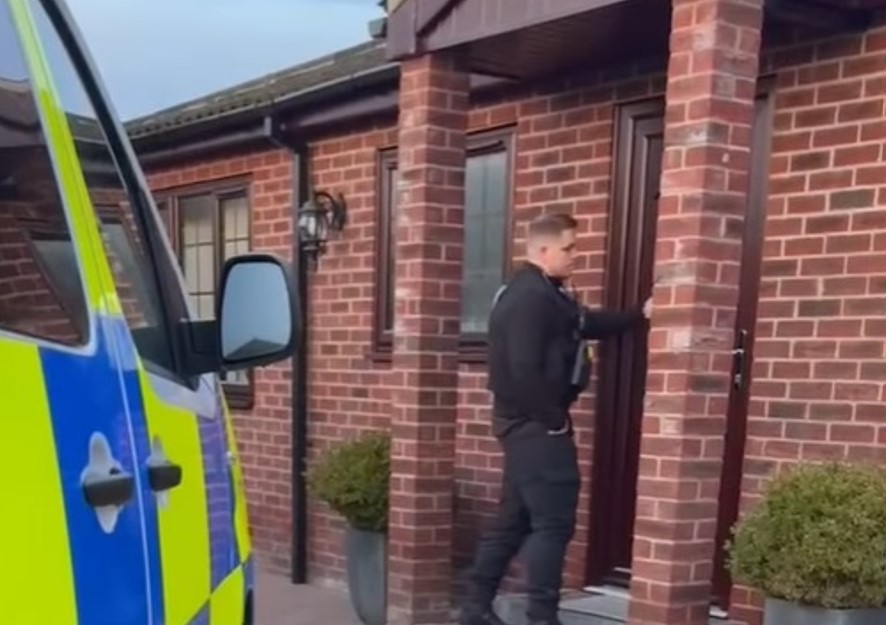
(523, 39)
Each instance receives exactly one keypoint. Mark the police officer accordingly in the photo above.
(538, 365)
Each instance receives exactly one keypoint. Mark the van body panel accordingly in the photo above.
(181, 556)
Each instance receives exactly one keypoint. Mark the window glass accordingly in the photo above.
(486, 212)
(41, 289)
(124, 242)
(390, 180)
(487, 206)
(199, 241)
(212, 227)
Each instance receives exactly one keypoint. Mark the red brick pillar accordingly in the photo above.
(710, 96)
(429, 239)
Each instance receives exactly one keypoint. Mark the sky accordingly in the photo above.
(157, 53)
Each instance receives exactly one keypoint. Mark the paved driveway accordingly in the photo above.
(278, 602)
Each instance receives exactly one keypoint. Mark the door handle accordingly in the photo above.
(164, 476)
(739, 356)
(112, 489)
(738, 379)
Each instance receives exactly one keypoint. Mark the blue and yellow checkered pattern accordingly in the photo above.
(188, 561)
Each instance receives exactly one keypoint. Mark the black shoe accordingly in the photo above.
(552, 621)
(479, 617)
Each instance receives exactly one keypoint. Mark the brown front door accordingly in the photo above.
(638, 151)
(618, 425)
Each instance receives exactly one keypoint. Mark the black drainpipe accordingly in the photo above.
(300, 191)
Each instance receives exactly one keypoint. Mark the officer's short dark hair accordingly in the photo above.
(551, 225)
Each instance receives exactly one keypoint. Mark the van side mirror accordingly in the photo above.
(257, 318)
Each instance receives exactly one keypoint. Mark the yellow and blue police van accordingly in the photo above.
(121, 493)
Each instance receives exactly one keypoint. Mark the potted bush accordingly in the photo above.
(353, 479)
(816, 547)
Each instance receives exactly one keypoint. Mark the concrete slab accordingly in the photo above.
(577, 609)
(279, 602)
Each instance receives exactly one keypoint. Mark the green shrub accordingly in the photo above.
(352, 478)
(818, 538)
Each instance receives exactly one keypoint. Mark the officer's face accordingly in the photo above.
(560, 254)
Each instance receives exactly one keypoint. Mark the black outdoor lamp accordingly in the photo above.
(320, 214)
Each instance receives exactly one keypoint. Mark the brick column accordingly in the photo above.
(428, 248)
(710, 97)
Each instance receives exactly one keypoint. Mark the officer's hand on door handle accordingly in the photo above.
(647, 308)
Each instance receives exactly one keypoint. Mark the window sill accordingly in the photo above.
(469, 352)
(381, 354)
(473, 353)
(239, 397)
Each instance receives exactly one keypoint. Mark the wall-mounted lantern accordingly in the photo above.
(318, 216)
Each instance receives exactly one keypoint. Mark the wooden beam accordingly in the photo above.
(818, 16)
(421, 26)
(430, 12)
(402, 40)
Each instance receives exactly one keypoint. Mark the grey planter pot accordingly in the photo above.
(779, 612)
(367, 564)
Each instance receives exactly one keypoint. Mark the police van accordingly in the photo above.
(121, 495)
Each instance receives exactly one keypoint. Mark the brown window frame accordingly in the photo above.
(472, 346)
(239, 396)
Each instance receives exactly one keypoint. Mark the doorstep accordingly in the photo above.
(578, 608)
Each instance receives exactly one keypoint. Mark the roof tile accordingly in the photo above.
(264, 91)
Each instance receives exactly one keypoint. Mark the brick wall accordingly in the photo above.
(562, 162)
(819, 382)
(819, 379)
(349, 391)
(819, 389)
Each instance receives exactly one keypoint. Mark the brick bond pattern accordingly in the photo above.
(428, 251)
(710, 96)
(819, 382)
(819, 379)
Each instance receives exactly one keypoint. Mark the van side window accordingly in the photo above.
(41, 290)
(136, 282)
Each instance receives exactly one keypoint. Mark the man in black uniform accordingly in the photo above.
(538, 365)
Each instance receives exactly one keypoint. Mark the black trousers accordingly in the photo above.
(540, 490)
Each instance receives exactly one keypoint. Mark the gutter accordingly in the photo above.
(311, 121)
(255, 119)
(189, 149)
(241, 128)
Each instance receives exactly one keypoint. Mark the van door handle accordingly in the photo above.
(164, 476)
(113, 489)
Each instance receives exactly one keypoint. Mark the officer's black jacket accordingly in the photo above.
(535, 331)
